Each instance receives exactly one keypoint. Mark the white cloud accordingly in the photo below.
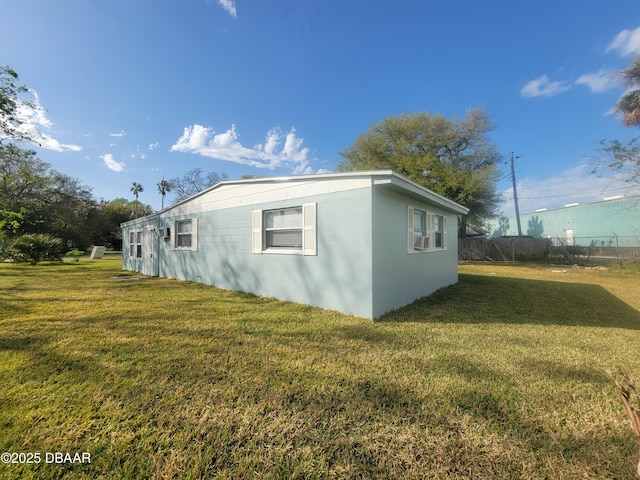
(273, 138)
(229, 6)
(111, 163)
(600, 81)
(153, 146)
(225, 146)
(627, 42)
(122, 133)
(34, 121)
(543, 87)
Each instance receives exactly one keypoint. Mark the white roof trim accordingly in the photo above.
(378, 177)
(287, 179)
(403, 183)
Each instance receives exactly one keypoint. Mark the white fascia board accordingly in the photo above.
(400, 182)
(138, 220)
(372, 177)
(262, 184)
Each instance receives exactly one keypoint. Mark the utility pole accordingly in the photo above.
(515, 195)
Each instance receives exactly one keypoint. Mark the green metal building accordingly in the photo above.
(611, 223)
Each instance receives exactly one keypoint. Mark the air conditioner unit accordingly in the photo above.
(165, 232)
(421, 243)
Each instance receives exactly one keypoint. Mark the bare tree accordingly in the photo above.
(194, 181)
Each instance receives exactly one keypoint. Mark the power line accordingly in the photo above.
(579, 194)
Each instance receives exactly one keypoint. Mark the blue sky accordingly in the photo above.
(134, 91)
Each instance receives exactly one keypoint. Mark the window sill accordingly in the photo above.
(430, 250)
(283, 251)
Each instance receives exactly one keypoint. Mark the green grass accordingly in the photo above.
(503, 375)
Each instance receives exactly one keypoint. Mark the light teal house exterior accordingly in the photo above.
(361, 243)
(610, 223)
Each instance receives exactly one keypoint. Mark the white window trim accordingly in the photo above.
(430, 219)
(132, 244)
(308, 229)
(194, 235)
(444, 233)
(135, 243)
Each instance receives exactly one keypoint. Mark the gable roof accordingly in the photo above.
(385, 178)
(378, 177)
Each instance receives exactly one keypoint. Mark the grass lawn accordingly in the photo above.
(500, 376)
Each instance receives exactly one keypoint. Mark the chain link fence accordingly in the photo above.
(607, 249)
(567, 249)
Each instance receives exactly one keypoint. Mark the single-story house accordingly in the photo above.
(362, 243)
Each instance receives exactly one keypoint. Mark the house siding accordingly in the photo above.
(360, 265)
(400, 277)
(337, 278)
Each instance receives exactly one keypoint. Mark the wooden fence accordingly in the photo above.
(504, 249)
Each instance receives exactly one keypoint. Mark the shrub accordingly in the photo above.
(567, 254)
(34, 248)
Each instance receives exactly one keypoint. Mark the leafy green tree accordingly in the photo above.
(68, 205)
(104, 220)
(24, 186)
(9, 222)
(33, 197)
(23, 177)
(452, 158)
(629, 104)
(10, 91)
(42, 200)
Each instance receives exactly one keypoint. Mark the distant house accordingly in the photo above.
(362, 243)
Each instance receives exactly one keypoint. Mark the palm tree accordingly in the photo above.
(163, 188)
(629, 104)
(136, 188)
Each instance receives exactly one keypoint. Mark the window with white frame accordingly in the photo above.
(285, 230)
(426, 232)
(184, 234)
(132, 244)
(420, 235)
(135, 244)
(438, 230)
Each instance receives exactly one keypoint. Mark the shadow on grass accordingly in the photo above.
(453, 417)
(482, 299)
(20, 343)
